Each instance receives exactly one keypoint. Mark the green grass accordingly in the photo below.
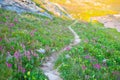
(97, 57)
(29, 32)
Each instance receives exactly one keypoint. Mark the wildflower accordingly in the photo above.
(0, 39)
(23, 46)
(34, 54)
(17, 55)
(68, 48)
(15, 20)
(6, 17)
(8, 65)
(41, 50)
(87, 57)
(83, 67)
(27, 54)
(97, 66)
(21, 69)
(11, 25)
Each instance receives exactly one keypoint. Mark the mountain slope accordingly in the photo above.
(54, 8)
(41, 7)
(27, 34)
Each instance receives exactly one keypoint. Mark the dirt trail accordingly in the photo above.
(48, 65)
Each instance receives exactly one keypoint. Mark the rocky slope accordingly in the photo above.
(54, 8)
(109, 21)
(45, 9)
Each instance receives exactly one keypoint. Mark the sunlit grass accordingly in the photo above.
(84, 10)
(97, 57)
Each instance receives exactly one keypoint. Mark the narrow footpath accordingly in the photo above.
(48, 65)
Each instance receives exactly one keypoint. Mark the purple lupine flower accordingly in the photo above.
(15, 20)
(23, 46)
(17, 55)
(11, 24)
(23, 70)
(68, 48)
(97, 66)
(8, 65)
(87, 57)
(19, 68)
(34, 54)
(27, 54)
(6, 17)
(0, 39)
(83, 67)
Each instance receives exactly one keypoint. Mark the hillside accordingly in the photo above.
(27, 34)
(44, 8)
(39, 40)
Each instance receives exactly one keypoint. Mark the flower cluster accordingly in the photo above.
(19, 61)
(97, 66)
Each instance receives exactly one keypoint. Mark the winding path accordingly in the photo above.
(48, 65)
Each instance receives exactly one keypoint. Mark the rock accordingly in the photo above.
(20, 6)
(109, 21)
(41, 51)
(55, 8)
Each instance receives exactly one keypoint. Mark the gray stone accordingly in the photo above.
(21, 6)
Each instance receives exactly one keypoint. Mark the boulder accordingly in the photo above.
(21, 6)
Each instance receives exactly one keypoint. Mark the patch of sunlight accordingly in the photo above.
(86, 9)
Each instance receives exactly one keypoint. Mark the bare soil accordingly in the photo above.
(48, 65)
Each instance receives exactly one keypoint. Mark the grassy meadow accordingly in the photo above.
(26, 39)
(97, 57)
(21, 39)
